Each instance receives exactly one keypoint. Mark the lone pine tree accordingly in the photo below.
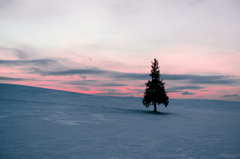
(155, 90)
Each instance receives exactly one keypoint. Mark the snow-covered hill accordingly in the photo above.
(44, 123)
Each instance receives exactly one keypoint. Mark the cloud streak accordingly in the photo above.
(69, 72)
(94, 83)
(187, 93)
(27, 62)
(14, 79)
(11, 79)
(131, 76)
(231, 95)
(21, 54)
(191, 79)
(177, 89)
(197, 79)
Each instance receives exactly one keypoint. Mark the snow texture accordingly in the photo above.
(44, 123)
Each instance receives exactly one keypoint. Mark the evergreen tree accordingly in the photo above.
(155, 91)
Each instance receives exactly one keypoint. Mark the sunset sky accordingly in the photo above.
(105, 47)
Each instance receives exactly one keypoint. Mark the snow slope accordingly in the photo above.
(44, 123)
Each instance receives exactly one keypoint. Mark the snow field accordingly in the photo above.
(43, 123)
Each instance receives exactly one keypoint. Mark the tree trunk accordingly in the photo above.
(155, 107)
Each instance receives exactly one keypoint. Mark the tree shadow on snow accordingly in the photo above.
(151, 112)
